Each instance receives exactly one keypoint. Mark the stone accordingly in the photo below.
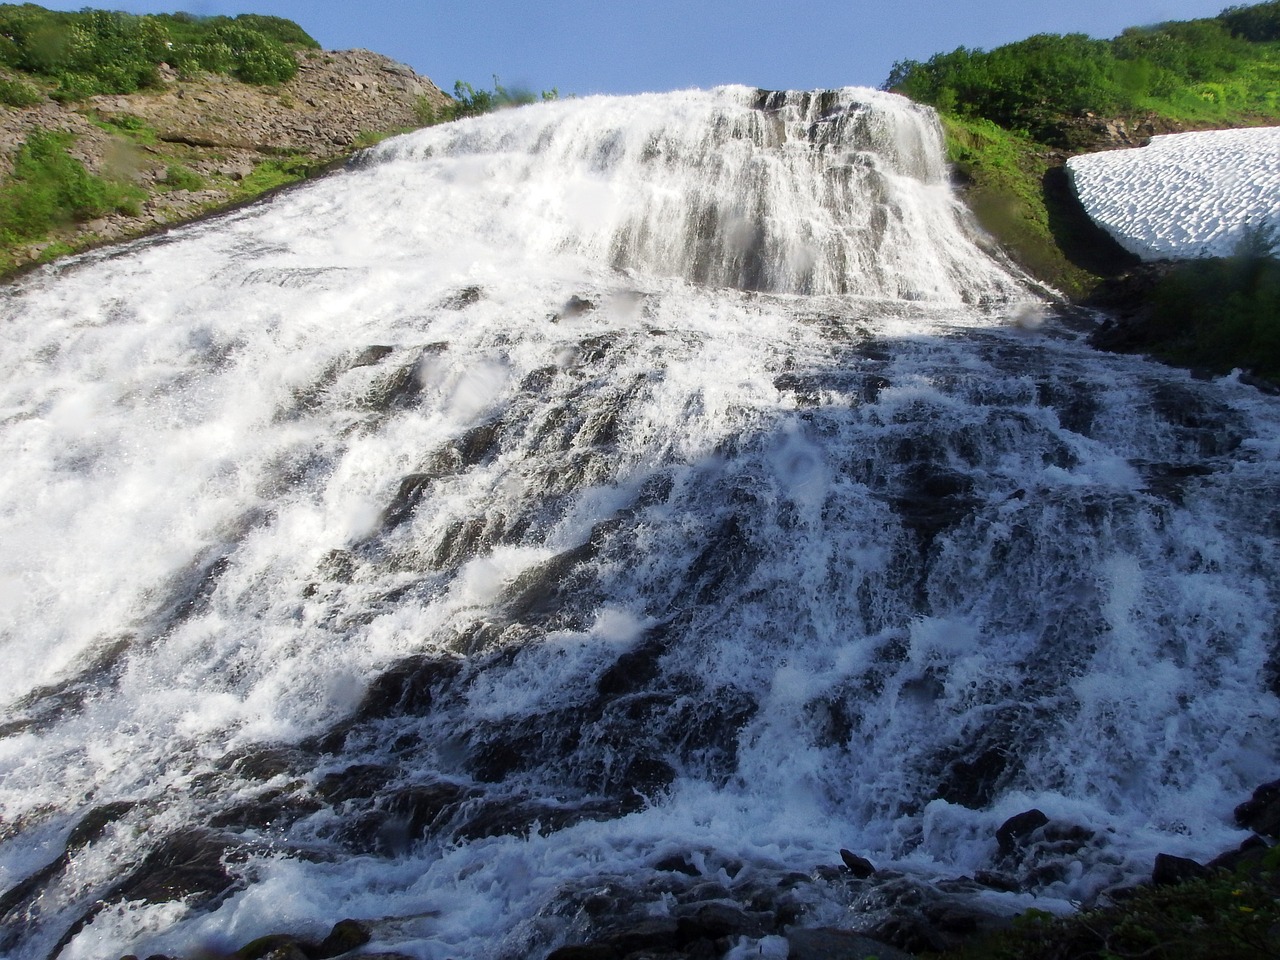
(1261, 812)
(1170, 870)
(827, 943)
(1017, 828)
(860, 867)
(345, 936)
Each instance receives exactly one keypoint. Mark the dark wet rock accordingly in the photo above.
(1261, 812)
(655, 933)
(932, 498)
(1017, 828)
(278, 946)
(264, 763)
(270, 809)
(516, 816)
(1170, 870)
(828, 943)
(872, 386)
(677, 863)
(806, 390)
(860, 867)
(712, 921)
(408, 688)
(411, 490)
(358, 781)
(185, 865)
(396, 389)
(586, 951)
(372, 355)
(538, 591)
(575, 306)
(461, 299)
(479, 443)
(89, 829)
(345, 936)
(423, 805)
(1246, 858)
(997, 881)
(538, 380)
(465, 539)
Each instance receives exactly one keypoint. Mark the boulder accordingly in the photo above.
(1017, 828)
(1261, 812)
(827, 943)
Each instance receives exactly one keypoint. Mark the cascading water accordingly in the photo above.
(456, 540)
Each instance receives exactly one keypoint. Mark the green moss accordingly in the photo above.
(1220, 314)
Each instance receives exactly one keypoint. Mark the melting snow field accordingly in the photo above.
(1185, 195)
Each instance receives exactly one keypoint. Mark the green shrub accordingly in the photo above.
(98, 51)
(179, 177)
(470, 102)
(1220, 70)
(1223, 313)
(15, 93)
(49, 188)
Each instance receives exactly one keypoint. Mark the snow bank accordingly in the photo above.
(1184, 195)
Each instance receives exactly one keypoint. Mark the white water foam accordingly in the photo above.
(883, 529)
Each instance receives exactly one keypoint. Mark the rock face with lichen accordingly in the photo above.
(192, 143)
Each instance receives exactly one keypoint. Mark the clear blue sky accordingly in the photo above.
(586, 47)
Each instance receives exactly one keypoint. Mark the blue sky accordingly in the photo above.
(585, 47)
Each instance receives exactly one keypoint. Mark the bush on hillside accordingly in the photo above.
(99, 51)
(49, 187)
(1220, 69)
(1223, 313)
(1259, 23)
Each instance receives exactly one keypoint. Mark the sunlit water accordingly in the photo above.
(694, 480)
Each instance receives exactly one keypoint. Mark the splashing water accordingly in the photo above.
(557, 491)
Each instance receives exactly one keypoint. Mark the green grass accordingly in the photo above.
(1014, 192)
(1220, 314)
(177, 176)
(18, 93)
(1224, 917)
(50, 188)
(273, 173)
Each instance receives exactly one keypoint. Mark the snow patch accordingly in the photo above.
(1185, 195)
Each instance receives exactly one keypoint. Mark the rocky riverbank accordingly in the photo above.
(203, 143)
(701, 905)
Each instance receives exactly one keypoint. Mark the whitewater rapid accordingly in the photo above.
(554, 492)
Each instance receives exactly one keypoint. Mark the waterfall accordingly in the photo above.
(462, 536)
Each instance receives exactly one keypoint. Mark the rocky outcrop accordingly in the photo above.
(221, 130)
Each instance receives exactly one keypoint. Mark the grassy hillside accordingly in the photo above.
(1221, 71)
(101, 52)
(1014, 114)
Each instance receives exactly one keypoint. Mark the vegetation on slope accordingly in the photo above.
(1013, 114)
(1224, 916)
(1221, 71)
(100, 51)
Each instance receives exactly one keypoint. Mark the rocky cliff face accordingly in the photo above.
(221, 131)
